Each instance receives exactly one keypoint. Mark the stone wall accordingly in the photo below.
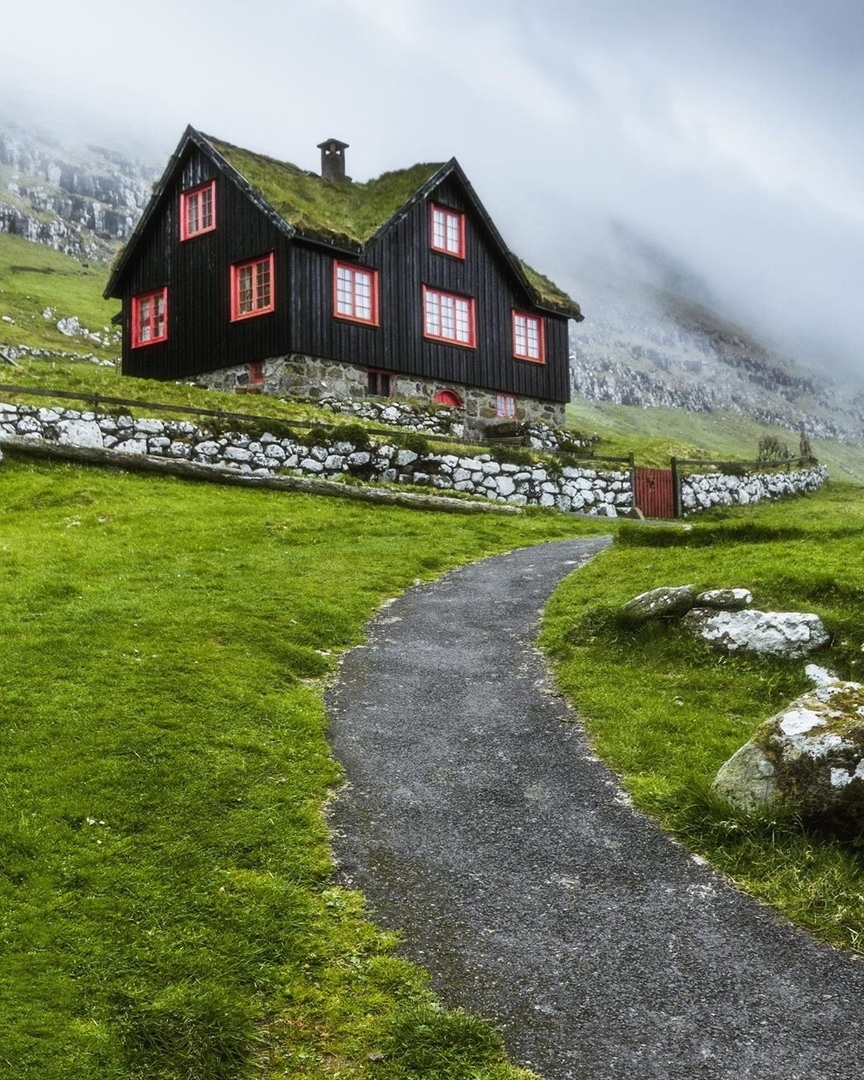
(383, 460)
(313, 377)
(702, 491)
(588, 490)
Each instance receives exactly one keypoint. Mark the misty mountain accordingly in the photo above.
(653, 336)
(82, 200)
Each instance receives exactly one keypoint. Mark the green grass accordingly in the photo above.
(666, 711)
(166, 899)
(656, 434)
(33, 278)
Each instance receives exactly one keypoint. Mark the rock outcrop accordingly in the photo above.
(667, 602)
(809, 758)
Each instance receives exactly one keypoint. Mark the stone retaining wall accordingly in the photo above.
(571, 488)
(588, 490)
(702, 491)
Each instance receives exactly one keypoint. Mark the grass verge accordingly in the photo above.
(165, 881)
(665, 711)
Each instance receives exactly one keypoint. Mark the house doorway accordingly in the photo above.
(448, 397)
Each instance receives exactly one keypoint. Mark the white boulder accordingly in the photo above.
(791, 635)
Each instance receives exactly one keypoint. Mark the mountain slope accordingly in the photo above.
(651, 347)
(80, 200)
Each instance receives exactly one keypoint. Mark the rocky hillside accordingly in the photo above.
(648, 346)
(79, 200)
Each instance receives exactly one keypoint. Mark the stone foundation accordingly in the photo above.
(313, 377)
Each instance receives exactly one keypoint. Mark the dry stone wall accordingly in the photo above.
(591, 491)
(579, 488)
(702, 491)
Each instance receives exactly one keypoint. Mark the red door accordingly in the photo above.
(655, 495)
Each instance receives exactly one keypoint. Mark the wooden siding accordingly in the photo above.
(405, 261)
(201, 336)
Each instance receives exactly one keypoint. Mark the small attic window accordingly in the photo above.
(448, 231)
(198, 210)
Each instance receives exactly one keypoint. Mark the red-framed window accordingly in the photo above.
(150, 317)
(447, 231)
(529, 337)
(198, 210)
(380, 383)
(448, 318)
(253, 287)
(506, 406)
(355, 293)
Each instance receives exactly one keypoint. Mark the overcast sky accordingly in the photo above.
(727, 132)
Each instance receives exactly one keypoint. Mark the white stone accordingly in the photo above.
(312, 465)
(791, 635)
(236, 453)
(150, 427)
(79, 433)
(820, 676)
(131, 446)
(505, 486)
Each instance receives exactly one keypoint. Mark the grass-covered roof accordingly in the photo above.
(350, 213)
(319, 208)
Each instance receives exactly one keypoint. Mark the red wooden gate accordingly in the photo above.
(655, 492)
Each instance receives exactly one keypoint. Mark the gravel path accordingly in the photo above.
(477, 823)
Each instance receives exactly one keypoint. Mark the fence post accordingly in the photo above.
(676, 487)
(631, 458)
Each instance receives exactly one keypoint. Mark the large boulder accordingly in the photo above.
(669, 601)
(791, 635)
(809, 757)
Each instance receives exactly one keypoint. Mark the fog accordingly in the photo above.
(725, 135)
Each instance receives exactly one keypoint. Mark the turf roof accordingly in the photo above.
(351, 213)
(348, 212)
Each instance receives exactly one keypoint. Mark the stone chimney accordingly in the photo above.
(333, 160)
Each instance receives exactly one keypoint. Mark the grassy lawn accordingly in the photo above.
(165, 881)
(666, 711)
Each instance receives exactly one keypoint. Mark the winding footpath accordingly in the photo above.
(478, 824)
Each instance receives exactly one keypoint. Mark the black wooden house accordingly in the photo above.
(248, 272)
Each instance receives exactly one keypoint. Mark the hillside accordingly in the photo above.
(79, 200)
(52, 303)
(652, 347)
